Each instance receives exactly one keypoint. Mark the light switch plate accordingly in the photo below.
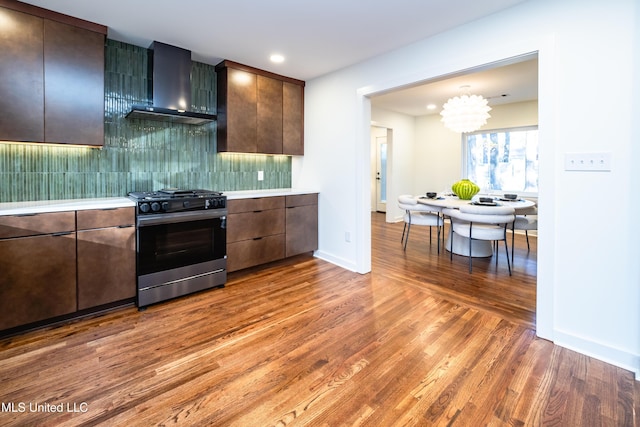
(593, 162)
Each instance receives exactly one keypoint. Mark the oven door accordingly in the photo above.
(171, 241)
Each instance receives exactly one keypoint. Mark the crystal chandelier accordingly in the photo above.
(465, 113)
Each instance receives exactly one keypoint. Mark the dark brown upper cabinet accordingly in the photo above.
(237, 111)
(269, 110)
(52, 86)
(74, 84)
(293, 119)
(258, 111)
(22, 81)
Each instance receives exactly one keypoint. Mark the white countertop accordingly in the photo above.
(43, 206)
(252, 194)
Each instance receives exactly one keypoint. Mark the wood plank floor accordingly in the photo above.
(417, 342)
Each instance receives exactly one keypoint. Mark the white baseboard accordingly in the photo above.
(340, 262)
(614, 356)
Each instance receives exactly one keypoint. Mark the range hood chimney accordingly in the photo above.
(170, 88)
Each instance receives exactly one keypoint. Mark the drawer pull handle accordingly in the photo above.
(257, 238)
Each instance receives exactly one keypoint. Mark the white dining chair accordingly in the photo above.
(418, 214)
(482, 223)
(526, 219)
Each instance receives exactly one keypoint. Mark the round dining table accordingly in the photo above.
(459, 244)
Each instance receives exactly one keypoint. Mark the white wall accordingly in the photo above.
(437, 154)
(589, 288)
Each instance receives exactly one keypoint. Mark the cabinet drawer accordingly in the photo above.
(101, 218)
(302, 200)
(251, 225)
(251, 205)
(33, 225)
(248, 253)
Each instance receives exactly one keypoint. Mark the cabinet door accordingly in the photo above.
(22, 79)
(106, 266)
(237, 111)
(293, 119)
(301, 224)
(269, 115)
(38, 279)
(74, 89)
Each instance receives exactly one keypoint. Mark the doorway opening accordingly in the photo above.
(528, 260)
(381, 138)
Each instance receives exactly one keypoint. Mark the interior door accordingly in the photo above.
(381, 173)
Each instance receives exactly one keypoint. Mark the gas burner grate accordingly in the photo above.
(178, 192)
(171, 193)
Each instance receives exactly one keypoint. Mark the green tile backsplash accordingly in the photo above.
(138, 154)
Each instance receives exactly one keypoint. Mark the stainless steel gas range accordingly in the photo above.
(181, 243)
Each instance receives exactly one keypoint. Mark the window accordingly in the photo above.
(504, 160)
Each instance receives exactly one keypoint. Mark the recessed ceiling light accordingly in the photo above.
(431, 106)
(277, 58)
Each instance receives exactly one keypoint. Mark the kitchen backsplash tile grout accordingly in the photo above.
(138, 154)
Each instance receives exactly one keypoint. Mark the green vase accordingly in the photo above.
(465, 189)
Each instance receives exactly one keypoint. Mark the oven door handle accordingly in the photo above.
(148, 220)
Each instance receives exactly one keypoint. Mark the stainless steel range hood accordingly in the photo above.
(170, 88)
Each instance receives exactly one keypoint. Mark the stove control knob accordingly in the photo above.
(155, 206)
(214, 203)
(165, 206)
(185, 204)
(144, 207)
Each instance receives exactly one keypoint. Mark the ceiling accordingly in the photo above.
(315, 36)
(514, 80)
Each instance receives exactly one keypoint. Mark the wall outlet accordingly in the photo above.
(347, 237)
(260, 175)
(587, 161)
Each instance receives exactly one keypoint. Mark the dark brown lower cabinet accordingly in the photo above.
(255, 232)
(37, 278)
(106, 256)
(302, 224)
(59, 263)
(106, 266)
(267, 229)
